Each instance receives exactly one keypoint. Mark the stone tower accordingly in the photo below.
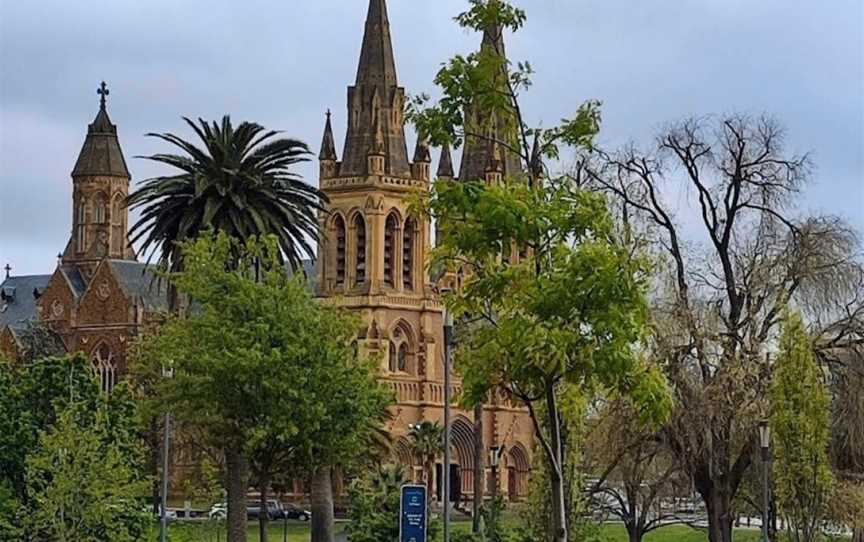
(372, 254)
(100, 184)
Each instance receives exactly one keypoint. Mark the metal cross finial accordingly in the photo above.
(103, 93)
(328, 113)
(8, 270)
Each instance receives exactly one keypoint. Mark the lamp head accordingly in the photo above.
(764, 434)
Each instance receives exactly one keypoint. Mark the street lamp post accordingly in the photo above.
(448, 346)
(167, 372)
(765, 441)
(494, 457)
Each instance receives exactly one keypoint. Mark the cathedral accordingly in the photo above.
(372, 259)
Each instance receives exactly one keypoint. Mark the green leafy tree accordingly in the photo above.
(559, 299)
(427, 442)
(235, 180)
(260, 365)
(83, 485)
(800, 419)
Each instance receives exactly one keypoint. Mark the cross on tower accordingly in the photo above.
(103, 93)
(8, 270)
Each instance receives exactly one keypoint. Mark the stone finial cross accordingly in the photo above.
(8, 270)
(103, 93)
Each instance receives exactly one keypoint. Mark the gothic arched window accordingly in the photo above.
(360, 236)
(104, 367)
(390, 229)
(408, 255)
(401, 350)
(339, 234)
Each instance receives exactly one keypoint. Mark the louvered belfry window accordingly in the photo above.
(408, 255)
(389, 251)
(360, 232)
(339, 226)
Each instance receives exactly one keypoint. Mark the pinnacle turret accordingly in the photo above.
(101, 155)
(445, 163)
(328, 145)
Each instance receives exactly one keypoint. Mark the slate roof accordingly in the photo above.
(18, 304)
(140, 283)
(74, 278)
(101, 154)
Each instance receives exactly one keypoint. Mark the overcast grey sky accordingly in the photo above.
(282, 63)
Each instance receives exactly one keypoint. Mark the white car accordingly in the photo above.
(218, 511)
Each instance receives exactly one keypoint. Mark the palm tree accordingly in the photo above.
(427, 440)
(238, 181)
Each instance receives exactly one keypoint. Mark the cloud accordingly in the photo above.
(284, 63)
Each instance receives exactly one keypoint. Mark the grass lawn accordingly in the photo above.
(299, 532)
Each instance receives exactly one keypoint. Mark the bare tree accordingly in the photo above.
(724, 283)
(638, 480)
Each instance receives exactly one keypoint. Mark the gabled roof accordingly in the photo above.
(74, 278)
(101, 154)
(140, 283)
(18, 305)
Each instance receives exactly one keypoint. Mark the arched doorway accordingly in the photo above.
(518, 470)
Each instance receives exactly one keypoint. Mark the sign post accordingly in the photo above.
(412, 514)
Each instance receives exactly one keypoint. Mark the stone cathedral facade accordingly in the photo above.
(372, 259)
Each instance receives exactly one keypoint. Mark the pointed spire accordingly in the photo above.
(376, 97)
(377, 64)
(328, 145)
(445, 163)
(101, 155)
(476, 155)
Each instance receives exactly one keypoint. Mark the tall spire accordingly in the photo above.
(328, 145)
(101, 154)
(376, 102)
(476, 155)
(377, 65)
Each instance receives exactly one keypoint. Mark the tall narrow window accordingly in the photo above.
(339, 226)
(100, 210)
(390, 251)
(360, 233)
(82, 210)
(402, 358)
(104, 368)
(392, 362)
(82, 238)
(117, 233)
(408, 255)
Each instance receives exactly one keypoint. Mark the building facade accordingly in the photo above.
(371, 259)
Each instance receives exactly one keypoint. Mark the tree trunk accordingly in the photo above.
(634, 534)
(556, 478)
(264, 515)
(237, 466)
(430, 485)
(858, 535)
(719, 510)
(479, 466)
(322, 506)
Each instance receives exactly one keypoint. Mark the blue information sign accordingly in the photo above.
(412, 514)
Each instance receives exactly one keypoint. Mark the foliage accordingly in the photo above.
(375, 506)
(9, 509)
(38, 342)
(241, 182)
(800, 408)
(82, 484)
(537, 523)
(261, 367)
(427, 442)
(722, 287)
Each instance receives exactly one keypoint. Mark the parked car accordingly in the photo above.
(275, 510)
(292, 511)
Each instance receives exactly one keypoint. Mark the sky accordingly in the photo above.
(283, 63)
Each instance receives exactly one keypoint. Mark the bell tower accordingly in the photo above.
(372, 253)
(100, 184)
